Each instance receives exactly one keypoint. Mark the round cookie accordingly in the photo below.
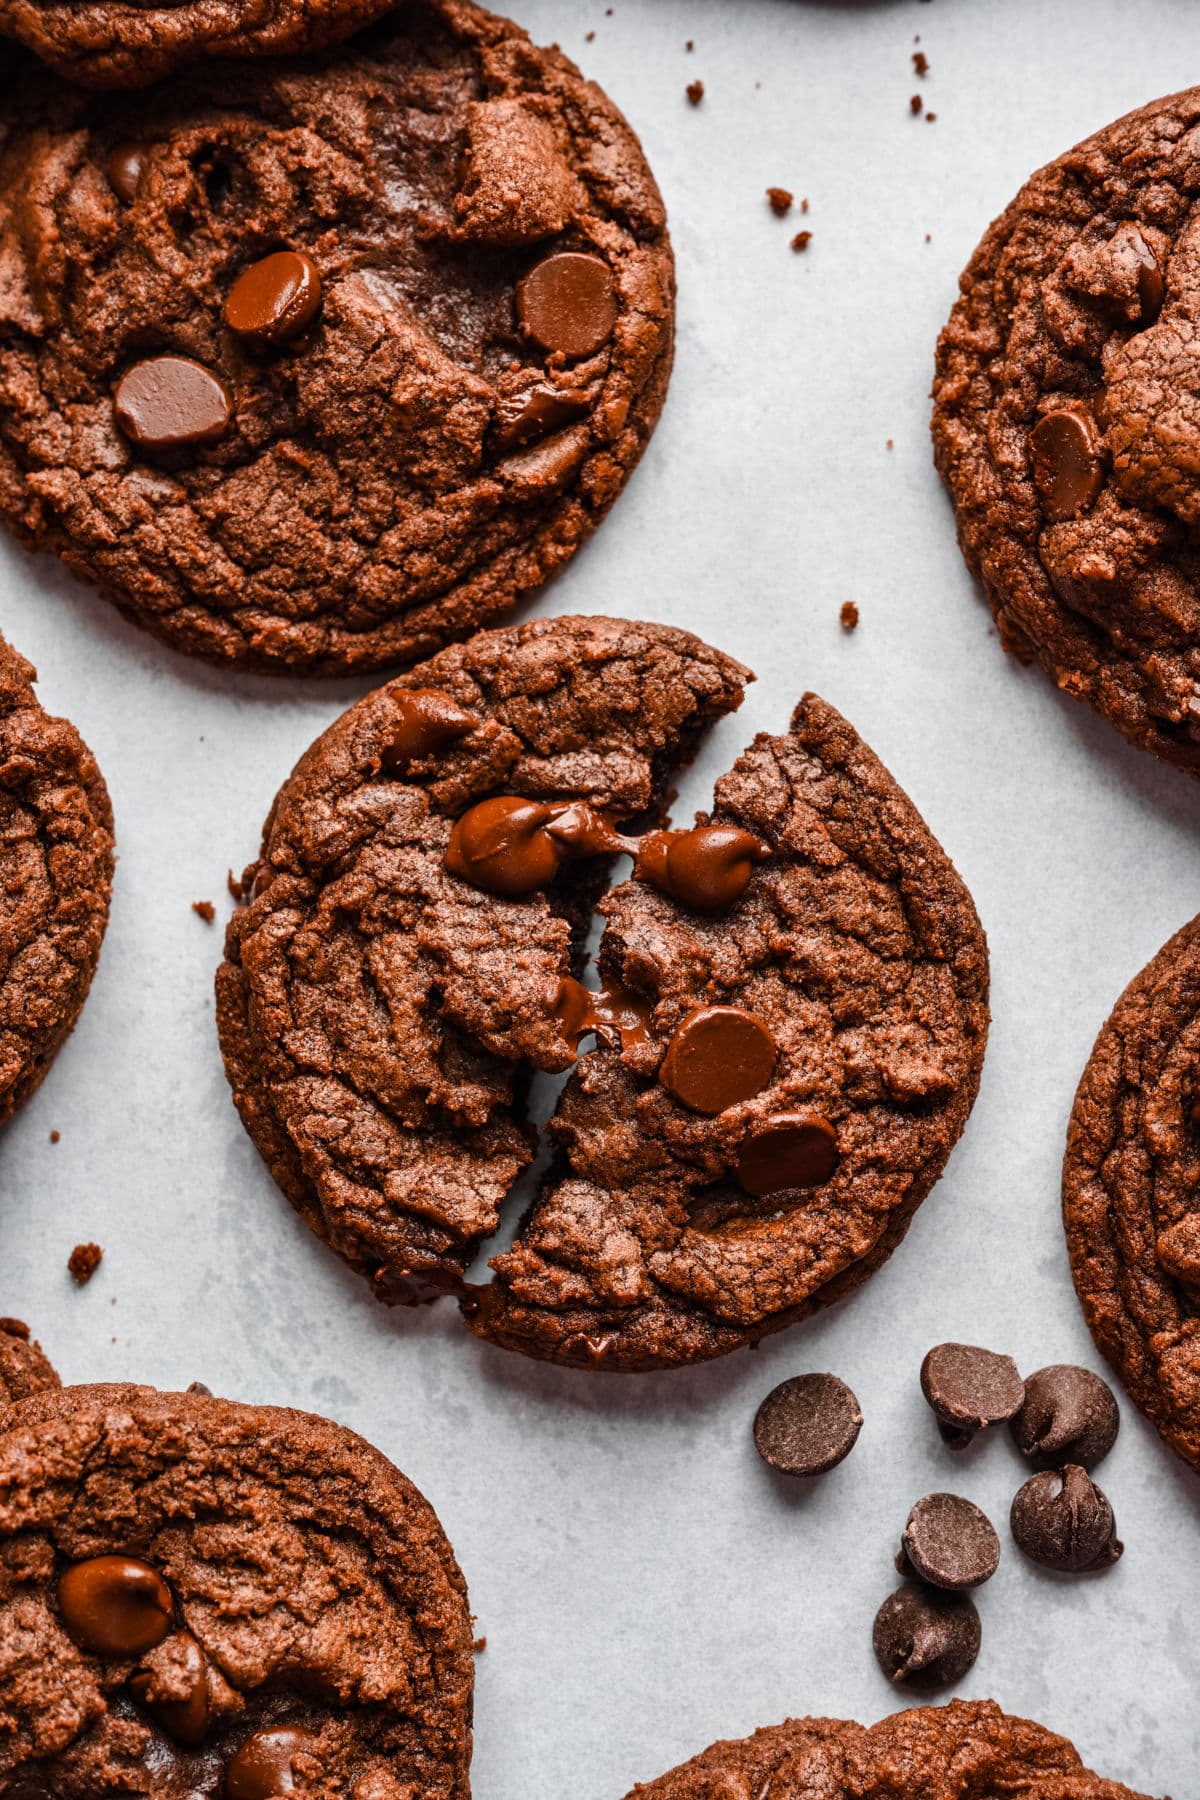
(1130, 1181)
(319, 364)
(955, 1752)
(198, 1595)
(56, 866)
(1066, 424)
(24, 1367)
(119, 43)
(790, 1020)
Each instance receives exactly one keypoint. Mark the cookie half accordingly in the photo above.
(789, 1023)
(113, 43)
(1130, 1181)
(205, 1598)
(1065, 423)
(24, 1367)
(953, 1752)
(56, 867)
(319, 364)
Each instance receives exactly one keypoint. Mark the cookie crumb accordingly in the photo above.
(920, 62)
(204, 909)
(780, 201)
(237, 889)
(689, 45)
(83, 1262)
(804, 206)
(695, 92)
(56, 1137)
(929, 118)
(890, 445)
(589, 37)
(915, 105)
(801, 241)
(479, 1644)
(848, 615)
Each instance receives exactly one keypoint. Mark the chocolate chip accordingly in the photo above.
(420, 721)
(1129, 245)
(969, 1388)
(500, 846)
(718, 1057)
(926, 1638)
(535, 414)
(614, 1014)
(175, 1691)
(262, 1768)
(115, 1605)
(790, 1150)
(1062, 1520)
(708, 867)
(807, 1425)
(568, 303)
(274, 299)
(125, 167)
(1067, 470)
(1069, 1415)
(949, 1542)
(172, 403)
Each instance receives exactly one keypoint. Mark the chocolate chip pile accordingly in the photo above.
(1064, 1419)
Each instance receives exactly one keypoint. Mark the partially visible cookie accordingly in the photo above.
(1067, 427)
(963, 1751)
(24, 1367)
(205, 1598)
(119, 43)
(1131, 1180)
(321, 363)
(56, 865)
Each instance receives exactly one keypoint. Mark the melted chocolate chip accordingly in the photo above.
(536, 414)
(1152, 289)
(422, 720)
(1064, 1521)
(262, 1768)
(175, 1693)
(124, 169)
(807, 1425)
(790, 1150)
(568, 303)
(582, 831)
(500, 846)
(1069, 1415)
(115, 1605)
(617, 1016)
(1064, 448)
(719, 1057)
(925, 1638)
(968, 1388)
(274, 299)
(172, 403)
(949, 1542)
(708, 868)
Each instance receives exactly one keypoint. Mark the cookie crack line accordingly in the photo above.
(789, 1026)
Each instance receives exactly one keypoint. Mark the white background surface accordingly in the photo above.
(644, 1583)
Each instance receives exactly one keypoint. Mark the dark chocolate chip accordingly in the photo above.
(708, 868)
(949, 1542)
(536, 414)
(115, 1605)
(172, 403)
(274, 299)
(807, 1425)
(422, 721)
(719, 1057)
(968, 1388)
(1068, 472)
(568, 303)
(262, 1768)
(1069, 1415)
(790, 1150)
(175, 1691)
(1062, 1520)
(500, 846)
(199, 1387)
(125, 168)
(925, 1638)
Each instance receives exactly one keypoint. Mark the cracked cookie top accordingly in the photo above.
(56, 865)
(321, 363)
(788, 1023)
(202, 1598)
(968, 1750)
(1130, 1182)
(1067, 423)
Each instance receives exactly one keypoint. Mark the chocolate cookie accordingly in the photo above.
(319, 364)
(1067, 429)
(1130, 1191)
(56, 865)
(201, 1598)
(119, 43)
(955, 1752)
(790, 1022)
(24, 1368)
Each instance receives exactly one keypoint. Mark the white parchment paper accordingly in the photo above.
(645, 1585)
